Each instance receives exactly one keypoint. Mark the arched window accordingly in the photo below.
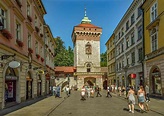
(88, 67)
(88, 48)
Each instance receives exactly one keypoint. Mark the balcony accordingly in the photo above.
(20, 43)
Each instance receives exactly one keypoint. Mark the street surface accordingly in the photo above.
(97, 106)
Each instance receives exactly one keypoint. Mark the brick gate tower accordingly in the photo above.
(86, 41)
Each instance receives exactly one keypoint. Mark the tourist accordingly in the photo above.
(141, 98)
(98, 92)
(131, 99)
(108, 92)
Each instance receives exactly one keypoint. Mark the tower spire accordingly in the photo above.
(85, 12)
(85, 19)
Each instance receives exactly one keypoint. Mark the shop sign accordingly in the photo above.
(11, 78)
(133, 76)
(14, 64)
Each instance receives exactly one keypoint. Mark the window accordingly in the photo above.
(153, 12)
(36, 21)
(18, 31)
(140, 54)
(139, 33)
(29, 41)
(122, 31)
(36, 47)
(133, 58)
(139, 11)
(28, 9)
(88, 48)
(132, 38)
(88, 67)
(128, 60)
(122, 62)
(154, 39)
(127, 43)
(3, 17)
(122, 47)
(127, 25)
(132, 19)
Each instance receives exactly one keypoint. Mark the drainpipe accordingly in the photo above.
(143, 49)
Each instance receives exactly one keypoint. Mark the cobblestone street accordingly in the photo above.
(97, 106)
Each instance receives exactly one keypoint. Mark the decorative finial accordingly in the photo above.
(85, 12)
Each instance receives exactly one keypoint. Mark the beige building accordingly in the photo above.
(24, 56)
(110, 45)
(86, 41)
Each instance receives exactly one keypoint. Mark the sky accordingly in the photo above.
(63, 15)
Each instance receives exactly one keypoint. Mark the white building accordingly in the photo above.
(128, 45)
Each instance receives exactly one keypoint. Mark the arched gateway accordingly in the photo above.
(86, 40)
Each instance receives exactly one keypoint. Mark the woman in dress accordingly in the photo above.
(141, 98)
(131, 99)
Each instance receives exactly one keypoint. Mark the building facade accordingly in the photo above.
(154, 46)
(110, 45)
(128, 46)
(86, 41)
(22, 51)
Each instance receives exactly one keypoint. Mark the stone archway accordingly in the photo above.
(11, 85)
(90, 81)
(155, 80)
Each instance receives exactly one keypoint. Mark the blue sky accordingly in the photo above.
(63, 15)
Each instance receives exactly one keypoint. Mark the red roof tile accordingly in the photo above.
(87, 25)
(64, 69)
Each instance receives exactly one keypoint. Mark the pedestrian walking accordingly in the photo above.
(141, 98)
(67, 91)
(88, 91)
(83, 91)
(119, 91)
(108, 92)
(98, 92)
(131, 99)
(92, 92)
(147, 98)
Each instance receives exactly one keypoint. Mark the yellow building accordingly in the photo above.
(154, 46)
(111, 60)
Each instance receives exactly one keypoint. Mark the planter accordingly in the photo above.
(37, 29)
(6, 33)
(29, 18)
(41, 35)
(38, 56)
(42, 59)
(30, 50)
(20, 43)
(18, 3)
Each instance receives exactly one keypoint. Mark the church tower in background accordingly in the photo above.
(86, 41)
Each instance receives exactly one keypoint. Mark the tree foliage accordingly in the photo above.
(63, 56)
(103, 57)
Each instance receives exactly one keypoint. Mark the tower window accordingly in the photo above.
(88, 67)
(88, 48)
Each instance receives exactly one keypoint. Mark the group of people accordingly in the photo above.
(143, 98)
(90, 92)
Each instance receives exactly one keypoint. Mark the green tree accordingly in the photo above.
(63, 57)
(103, 57)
